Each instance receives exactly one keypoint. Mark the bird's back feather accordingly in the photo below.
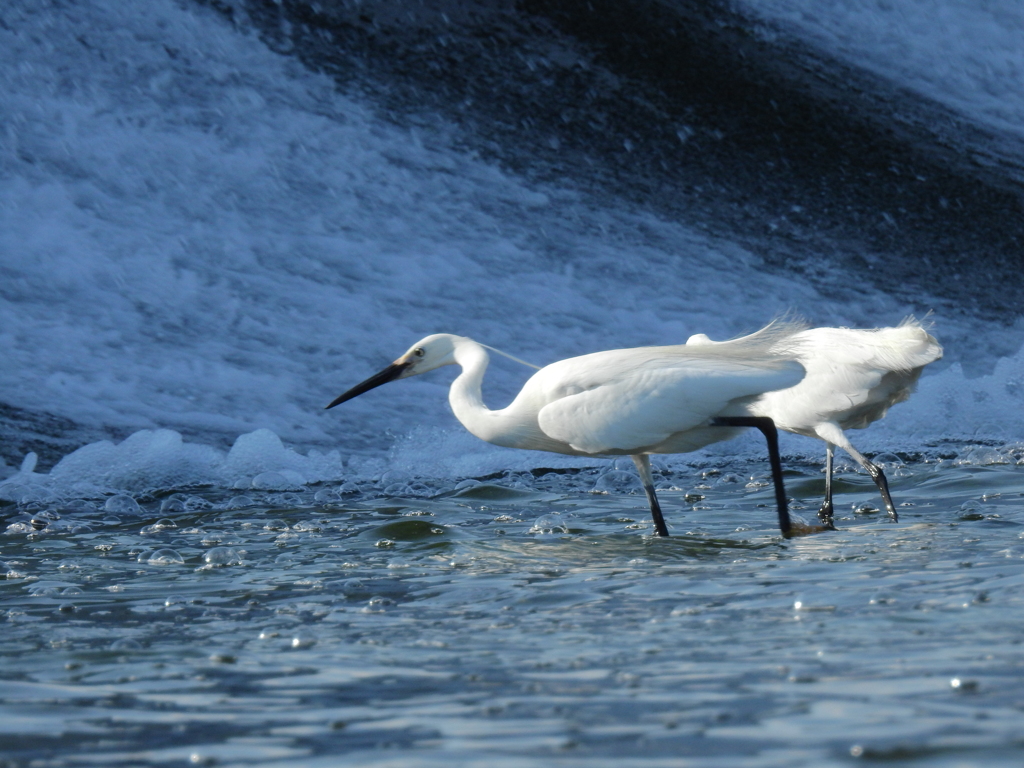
(635, 400)
(853, 376)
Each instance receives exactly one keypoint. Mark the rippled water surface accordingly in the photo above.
(520, 621)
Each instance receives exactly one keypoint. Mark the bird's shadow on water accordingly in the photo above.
(583, 549)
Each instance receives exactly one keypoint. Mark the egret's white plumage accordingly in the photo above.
(853, 377)
(621, 402)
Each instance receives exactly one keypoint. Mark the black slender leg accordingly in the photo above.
(771, 434)
(643, 466)
(826, 513)
(883, 488)
(659, 519)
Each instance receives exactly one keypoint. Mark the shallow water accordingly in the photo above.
(520, 621)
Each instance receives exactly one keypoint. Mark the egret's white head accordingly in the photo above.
(425, 355)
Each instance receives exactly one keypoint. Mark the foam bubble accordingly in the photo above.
(160, 458)
(122, 505)
(222, 556)
(162, 557)
(549, 524)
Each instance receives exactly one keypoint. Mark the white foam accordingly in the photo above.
(202, 238)
(201, 235)
(962, 53)
(151, 459)
(981, 417)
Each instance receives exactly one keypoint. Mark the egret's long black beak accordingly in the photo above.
(390, 373)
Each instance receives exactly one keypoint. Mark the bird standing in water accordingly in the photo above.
(635, 402)
(853, 378)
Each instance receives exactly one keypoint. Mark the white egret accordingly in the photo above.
(853, 378)
(634, 402)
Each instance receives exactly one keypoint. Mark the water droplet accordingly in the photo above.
(175, 600)
(122, 505)
(239, 502)
(384, 543)
(300, 642)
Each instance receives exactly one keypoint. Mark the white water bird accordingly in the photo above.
(634, 402)
(853, 378)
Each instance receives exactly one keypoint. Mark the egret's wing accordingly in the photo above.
(848, 368)
(643, 406)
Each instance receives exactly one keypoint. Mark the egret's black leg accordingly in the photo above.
(659, 519)
(876, 474)
(643, 466)
(826, 513)
(771, 434)
(883, 488)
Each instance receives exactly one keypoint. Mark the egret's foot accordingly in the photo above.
(825, 515)
(890, 508)
(883, 488)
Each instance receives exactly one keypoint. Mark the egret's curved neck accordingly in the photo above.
(465, 394)
(513, 427)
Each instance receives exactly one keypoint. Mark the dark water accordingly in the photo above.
(696, 112)
(522, 621)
